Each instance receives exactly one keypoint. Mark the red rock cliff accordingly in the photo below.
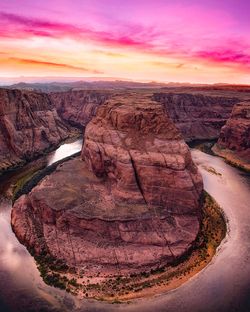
(29, 125)
(197, 116)
(135, 145)
(234, 140)
(78, 107)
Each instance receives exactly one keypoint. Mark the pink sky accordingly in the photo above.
(186, 40)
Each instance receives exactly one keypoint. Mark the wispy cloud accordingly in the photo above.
(15, 25)
(51, 64)
(143, 39)
(162, 39)
(108, 53)
(167, 64)
(225, 56)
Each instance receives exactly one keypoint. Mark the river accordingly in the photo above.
(224, 285)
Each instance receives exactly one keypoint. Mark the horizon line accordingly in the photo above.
(107, 79)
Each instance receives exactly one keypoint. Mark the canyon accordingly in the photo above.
(131, 203)
(32, 123)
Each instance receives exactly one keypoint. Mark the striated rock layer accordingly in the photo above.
(234, 140)
(197, 116)
(130, 204)
(78, 107)
(29, 125)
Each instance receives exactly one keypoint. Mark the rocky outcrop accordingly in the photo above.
(198, 117)
(29, 125)
(234, 140)
(140, 151)
(130, 204)
(78, 107)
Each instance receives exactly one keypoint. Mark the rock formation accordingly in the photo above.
(29, 125)
(197, 116)
(78, 107)
(130, 204)
(234, 140)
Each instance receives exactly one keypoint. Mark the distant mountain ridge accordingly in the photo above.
(84, 85)
(63, 86)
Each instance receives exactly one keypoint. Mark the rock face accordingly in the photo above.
(78, 107)
(197, 116)
(130, 204)
(141, 153)
(29, 125)
(234, 140)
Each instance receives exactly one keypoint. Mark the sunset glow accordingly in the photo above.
(161, 40)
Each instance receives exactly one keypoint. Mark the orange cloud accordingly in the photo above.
(52, 64)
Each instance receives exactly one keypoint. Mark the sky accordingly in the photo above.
(159, 40)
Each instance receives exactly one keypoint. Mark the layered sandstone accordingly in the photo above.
(198, 117)
(79, 106)
(29, 125)
(127, 141)
(234, 140)
(130, 204)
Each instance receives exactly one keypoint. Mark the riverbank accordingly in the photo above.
(231, 158)
(29, 181)
(15, 179)
(22, 163)
(146, 284)
(211, 148)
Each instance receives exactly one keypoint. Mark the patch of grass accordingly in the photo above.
(54, 279)
(22, 181)
(116, 301)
